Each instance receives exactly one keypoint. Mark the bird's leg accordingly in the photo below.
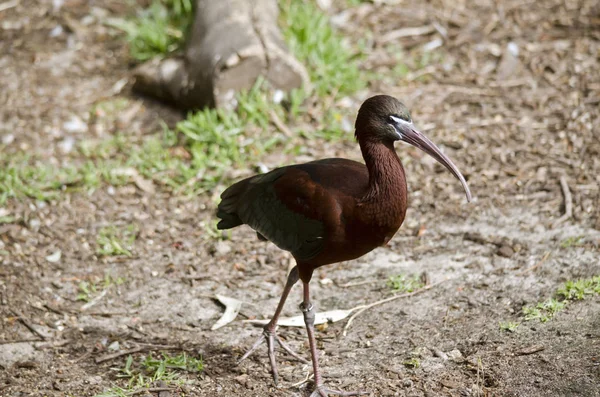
(270, 336)
(309, 319)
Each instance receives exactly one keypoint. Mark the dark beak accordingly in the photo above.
(415, 138)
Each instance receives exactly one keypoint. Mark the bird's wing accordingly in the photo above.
(291, 206)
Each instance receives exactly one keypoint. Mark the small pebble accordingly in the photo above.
(506, 251)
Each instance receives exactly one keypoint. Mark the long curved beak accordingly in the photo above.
(417, 139)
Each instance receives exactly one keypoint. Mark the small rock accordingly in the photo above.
(75, 125)
(34, 225)
(12, 353)
(440, 354)
(242, 380)
(8, 139)
(66, 145)
(278, 96)
(506, 251)
(55, 257)
(455, 355)
(56, 31)
(222, 248)
(114, 346)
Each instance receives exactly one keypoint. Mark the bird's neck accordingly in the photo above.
(387, 182)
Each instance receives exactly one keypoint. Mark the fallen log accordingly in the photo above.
(230, 45)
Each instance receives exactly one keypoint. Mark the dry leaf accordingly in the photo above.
(232, 308)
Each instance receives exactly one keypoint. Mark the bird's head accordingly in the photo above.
(384, 119)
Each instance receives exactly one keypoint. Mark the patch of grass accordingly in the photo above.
(168, 369)
(114, 241)
(403, 283)
(21, 176)
(543, 311)
(573, 241)
(157, 30)
(579, 289)
(218, 139)
(199, 152)
(7, 219)
(87, 289)
(509, 326)
(568, 292)
(331, 62)
(412, 363)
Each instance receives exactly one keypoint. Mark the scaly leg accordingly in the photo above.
(309, 319)
(270, 336)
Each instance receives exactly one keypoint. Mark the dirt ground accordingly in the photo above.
(511, 92)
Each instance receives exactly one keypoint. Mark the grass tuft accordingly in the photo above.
(412, 363)
(509, 326)
(142, 375)
(573, 241)
(87, 289)
(403, 283)
(158, 30)
(579, 289)
(331, 62)
(113, 241)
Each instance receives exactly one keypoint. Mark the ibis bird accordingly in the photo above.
(331, 210)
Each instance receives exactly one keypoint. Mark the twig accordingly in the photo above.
(95, 300)
(364, 308)
(308, 377)
(406, 32)
(149, 390)
(138, 349)
(26, 323)
(280, 124)
(9, 4)
(538, 264)
(564, 185)
(11, 341)
(530, 350)
(112, 356)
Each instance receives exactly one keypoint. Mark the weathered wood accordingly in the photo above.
(230, 45)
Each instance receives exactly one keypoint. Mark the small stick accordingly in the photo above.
(280, 124)
(538, 264)
(363, 308)
(308, 377)
(11, 341)
(95, 300)
(9, 4)
(149, 390)
(26, 323)
(530, 350)
(112, 356)
(406, 32)
(568, 201)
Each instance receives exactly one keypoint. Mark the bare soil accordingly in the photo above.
(515, 124)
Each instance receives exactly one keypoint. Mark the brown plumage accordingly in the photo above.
(331, 210)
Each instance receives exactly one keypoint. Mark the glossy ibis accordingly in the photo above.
(331, 210)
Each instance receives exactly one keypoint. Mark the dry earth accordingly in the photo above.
(512, 93)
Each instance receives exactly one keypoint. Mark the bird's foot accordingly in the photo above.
(322, 391)
(270, 337)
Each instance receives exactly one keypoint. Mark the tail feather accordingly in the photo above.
(227, 209)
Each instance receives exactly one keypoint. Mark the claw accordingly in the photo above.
(270, 337)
